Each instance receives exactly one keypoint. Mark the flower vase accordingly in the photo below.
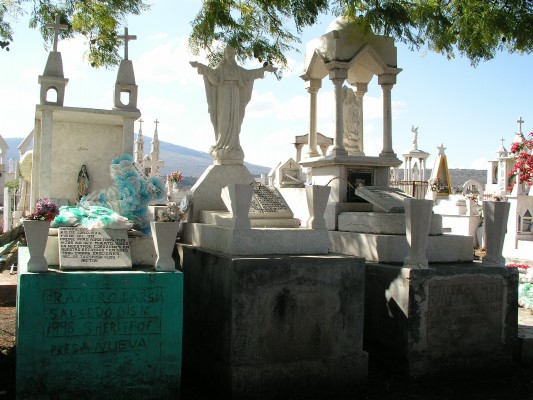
(317, 201)
(434, 195)
(174, 185)
(495, 215)
(164, 235)
(36, 233)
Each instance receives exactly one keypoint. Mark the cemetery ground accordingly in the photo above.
(384, 382)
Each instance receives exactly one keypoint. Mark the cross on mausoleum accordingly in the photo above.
(126, 39)
(57, 27)
(502, 140)
(156, 122)
(520, 121)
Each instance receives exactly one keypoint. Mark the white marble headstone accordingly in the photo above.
(81, 249)
(384, 198)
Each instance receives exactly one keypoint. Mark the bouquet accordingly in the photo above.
(175, 177)
(45, 210)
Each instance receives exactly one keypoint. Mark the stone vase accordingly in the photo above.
(471, 207)
(164, 235)
(417, 224)
(434, 195)
(237, 199)
(36, 233)
(495, 215)
(317, 200)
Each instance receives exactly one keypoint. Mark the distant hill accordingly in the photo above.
(191, 162)
(177, 158)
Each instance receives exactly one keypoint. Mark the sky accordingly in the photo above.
(466, 108)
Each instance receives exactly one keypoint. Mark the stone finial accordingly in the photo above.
(53, 80)
(125, 84)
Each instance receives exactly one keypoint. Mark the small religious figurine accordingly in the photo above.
(228, 88)
(83, 182)
(415, 137)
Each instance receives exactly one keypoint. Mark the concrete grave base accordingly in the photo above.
(446, 319)
(256, 241)
(393, 248)
(274, 326)
(98, 335)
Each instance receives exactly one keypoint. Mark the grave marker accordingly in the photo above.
(81, 248)
(386, 199)
(267, 202)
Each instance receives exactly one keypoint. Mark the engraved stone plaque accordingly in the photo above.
(81, 248)
(267, 202)
(464, 313)
(386, 199)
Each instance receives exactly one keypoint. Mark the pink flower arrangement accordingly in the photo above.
(45, 210)
(175, 177)
(522, 152)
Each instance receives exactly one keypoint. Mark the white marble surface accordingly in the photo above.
(381, 223)
(393, 248)
(257, 241)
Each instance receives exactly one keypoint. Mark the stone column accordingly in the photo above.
(361, 89)
(387, 81)
(128, 134)
(298, 147)
(313, 85)
(337, 76)
(45, 152)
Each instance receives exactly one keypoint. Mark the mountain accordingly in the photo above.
(191, 162)
(177, 158)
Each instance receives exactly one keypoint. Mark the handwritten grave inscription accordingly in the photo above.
(463, 314)
(92, 321)
(81, 248)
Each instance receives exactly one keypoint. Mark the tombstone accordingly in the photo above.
(289, 174)
(265, 283)
(99, 323)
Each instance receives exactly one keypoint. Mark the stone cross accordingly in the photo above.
(156, 122)
(441, 149)
(520, 121)
(57, 27)
(502, 140)
(126, 39)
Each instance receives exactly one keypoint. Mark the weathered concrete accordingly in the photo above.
(274, 326)
(393, 248)
(98, 335)
(447, 319)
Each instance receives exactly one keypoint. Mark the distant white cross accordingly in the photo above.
(141, 124)
(520, 121)
(441, 149)
(156, 122)
(56, 26)
(502, 140)
(126, 39)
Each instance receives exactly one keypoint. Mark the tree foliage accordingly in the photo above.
(98, 20)
(267, 29)
(476, 29)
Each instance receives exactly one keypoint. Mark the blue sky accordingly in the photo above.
(468, 109)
